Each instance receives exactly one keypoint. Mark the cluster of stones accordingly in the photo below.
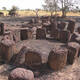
(58, 57)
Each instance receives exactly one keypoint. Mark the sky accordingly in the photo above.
(21, 4)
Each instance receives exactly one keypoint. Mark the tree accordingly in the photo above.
(15, 8)
(12, 12)
(4, 8)
(36, 11)
(51, 5)
(67, 5)
(63, 5)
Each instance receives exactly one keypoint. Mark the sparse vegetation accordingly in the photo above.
(40, 13)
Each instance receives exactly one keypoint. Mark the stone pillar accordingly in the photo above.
(7, 49)
(26, 34)
(53, 28)
(40, 33)
(55, 34)
(57, 58)
(64, 36)
(61, 25)
(1, 28)
(71, 26)
(78, 29)
(73, 52)
(16, 35)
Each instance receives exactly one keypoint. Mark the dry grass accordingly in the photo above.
(41, 13)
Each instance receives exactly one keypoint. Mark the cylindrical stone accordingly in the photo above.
(1, 28)
(73, 51)
(57, 58)
(71, 26)
(26, 34)
(7, 49)
(40, 33)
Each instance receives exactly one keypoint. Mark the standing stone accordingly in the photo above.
(33, 59)
(19, 59)
(40, 33)
(55, 34)
(47, 27)
(64, 36)
(71, 26)
(26, 34)
(8, 35)
(61, 25)
(1, 28)
(78, 29)
(7, 49)
(16, 35)
(73, 51)
(57, 58)
(53, 28)
(74, 36)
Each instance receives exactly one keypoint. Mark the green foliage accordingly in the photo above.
(12, 12)
(4, 8)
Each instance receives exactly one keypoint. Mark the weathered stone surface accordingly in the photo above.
(21, 74)
(40, 33)
(1, 28)
(7, 49)
(8, 35)
(78, 29)
(33, 59)
(47, 27)
(55, 34)
(61, 25)
(64, 36)
(73, 51)
(74, 36)
(77, 40)
(16, 35)
(57, 58)
(53, 27)
(19, 59)
(26, 34)
(71, 26)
